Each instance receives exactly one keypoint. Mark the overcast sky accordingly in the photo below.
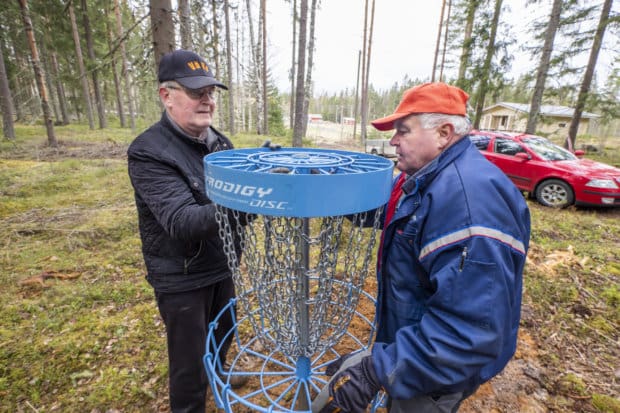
(405, 33)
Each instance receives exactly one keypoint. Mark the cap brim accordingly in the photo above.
(387, 123)
(198, 82)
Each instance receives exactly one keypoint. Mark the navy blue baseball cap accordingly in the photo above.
(188, 69)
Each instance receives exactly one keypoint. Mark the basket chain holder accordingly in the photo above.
(299, 227)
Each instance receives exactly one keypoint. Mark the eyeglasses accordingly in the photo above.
(196, 94)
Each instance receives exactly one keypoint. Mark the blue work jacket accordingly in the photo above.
(450, 277)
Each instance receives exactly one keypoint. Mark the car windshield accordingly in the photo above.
(548, 150)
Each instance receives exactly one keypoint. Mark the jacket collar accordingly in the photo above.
(420, 179)
(166, 120)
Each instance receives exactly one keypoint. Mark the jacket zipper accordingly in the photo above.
(187, 263)
(463, 256)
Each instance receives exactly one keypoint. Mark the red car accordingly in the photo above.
(553, 175)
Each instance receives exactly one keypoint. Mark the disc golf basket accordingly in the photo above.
(299, 238)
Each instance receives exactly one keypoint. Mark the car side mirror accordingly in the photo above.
(579, 153)
(522, 156)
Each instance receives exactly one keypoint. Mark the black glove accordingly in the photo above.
(351, 388)
(268, 144)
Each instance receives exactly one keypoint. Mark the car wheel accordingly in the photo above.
(555, 193)
(373, 151)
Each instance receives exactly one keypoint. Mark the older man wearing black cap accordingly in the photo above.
(450, 266)
(183, 253)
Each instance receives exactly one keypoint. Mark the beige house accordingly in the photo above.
(554, 120)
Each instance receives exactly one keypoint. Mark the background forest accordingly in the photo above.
(93, 61)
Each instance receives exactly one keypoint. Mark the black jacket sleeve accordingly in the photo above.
(172, 197)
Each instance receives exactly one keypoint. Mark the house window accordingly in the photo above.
(499, 122)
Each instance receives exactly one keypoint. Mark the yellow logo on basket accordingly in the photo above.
(197, 65)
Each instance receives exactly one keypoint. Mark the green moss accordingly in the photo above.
(572, 384)
(605, 404)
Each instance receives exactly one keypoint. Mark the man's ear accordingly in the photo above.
(164, 96)
(446, 135)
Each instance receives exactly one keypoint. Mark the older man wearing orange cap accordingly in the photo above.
(450, 267)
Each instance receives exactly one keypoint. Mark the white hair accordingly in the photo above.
(168, 83)
(461, 124)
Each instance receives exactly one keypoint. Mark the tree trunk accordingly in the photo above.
(6, 102)
(445, 41)
(215, 46)
(239, 95)
(439, 30)
(482, 88)
(103, 123)
(466, 50)
(185, 26)
(300, 117)
(367, 77)
(18, 84)
(357, 86)
(292, 72)
(60, 91)
(80, 62)
(117, 82)
(587, 77)
(45, 64)
(162, 27)
(254, 72)
(364, 83)
(263, 7)
(38, 73)
(231, 97)
(308, 94)
(124, 66)
(543, 66)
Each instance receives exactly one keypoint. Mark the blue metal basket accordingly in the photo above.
(284, 352)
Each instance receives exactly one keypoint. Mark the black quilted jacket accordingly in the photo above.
(180, 242)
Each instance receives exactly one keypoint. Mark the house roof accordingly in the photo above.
(545, 110)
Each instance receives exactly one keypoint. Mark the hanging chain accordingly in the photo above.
(295, 303)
